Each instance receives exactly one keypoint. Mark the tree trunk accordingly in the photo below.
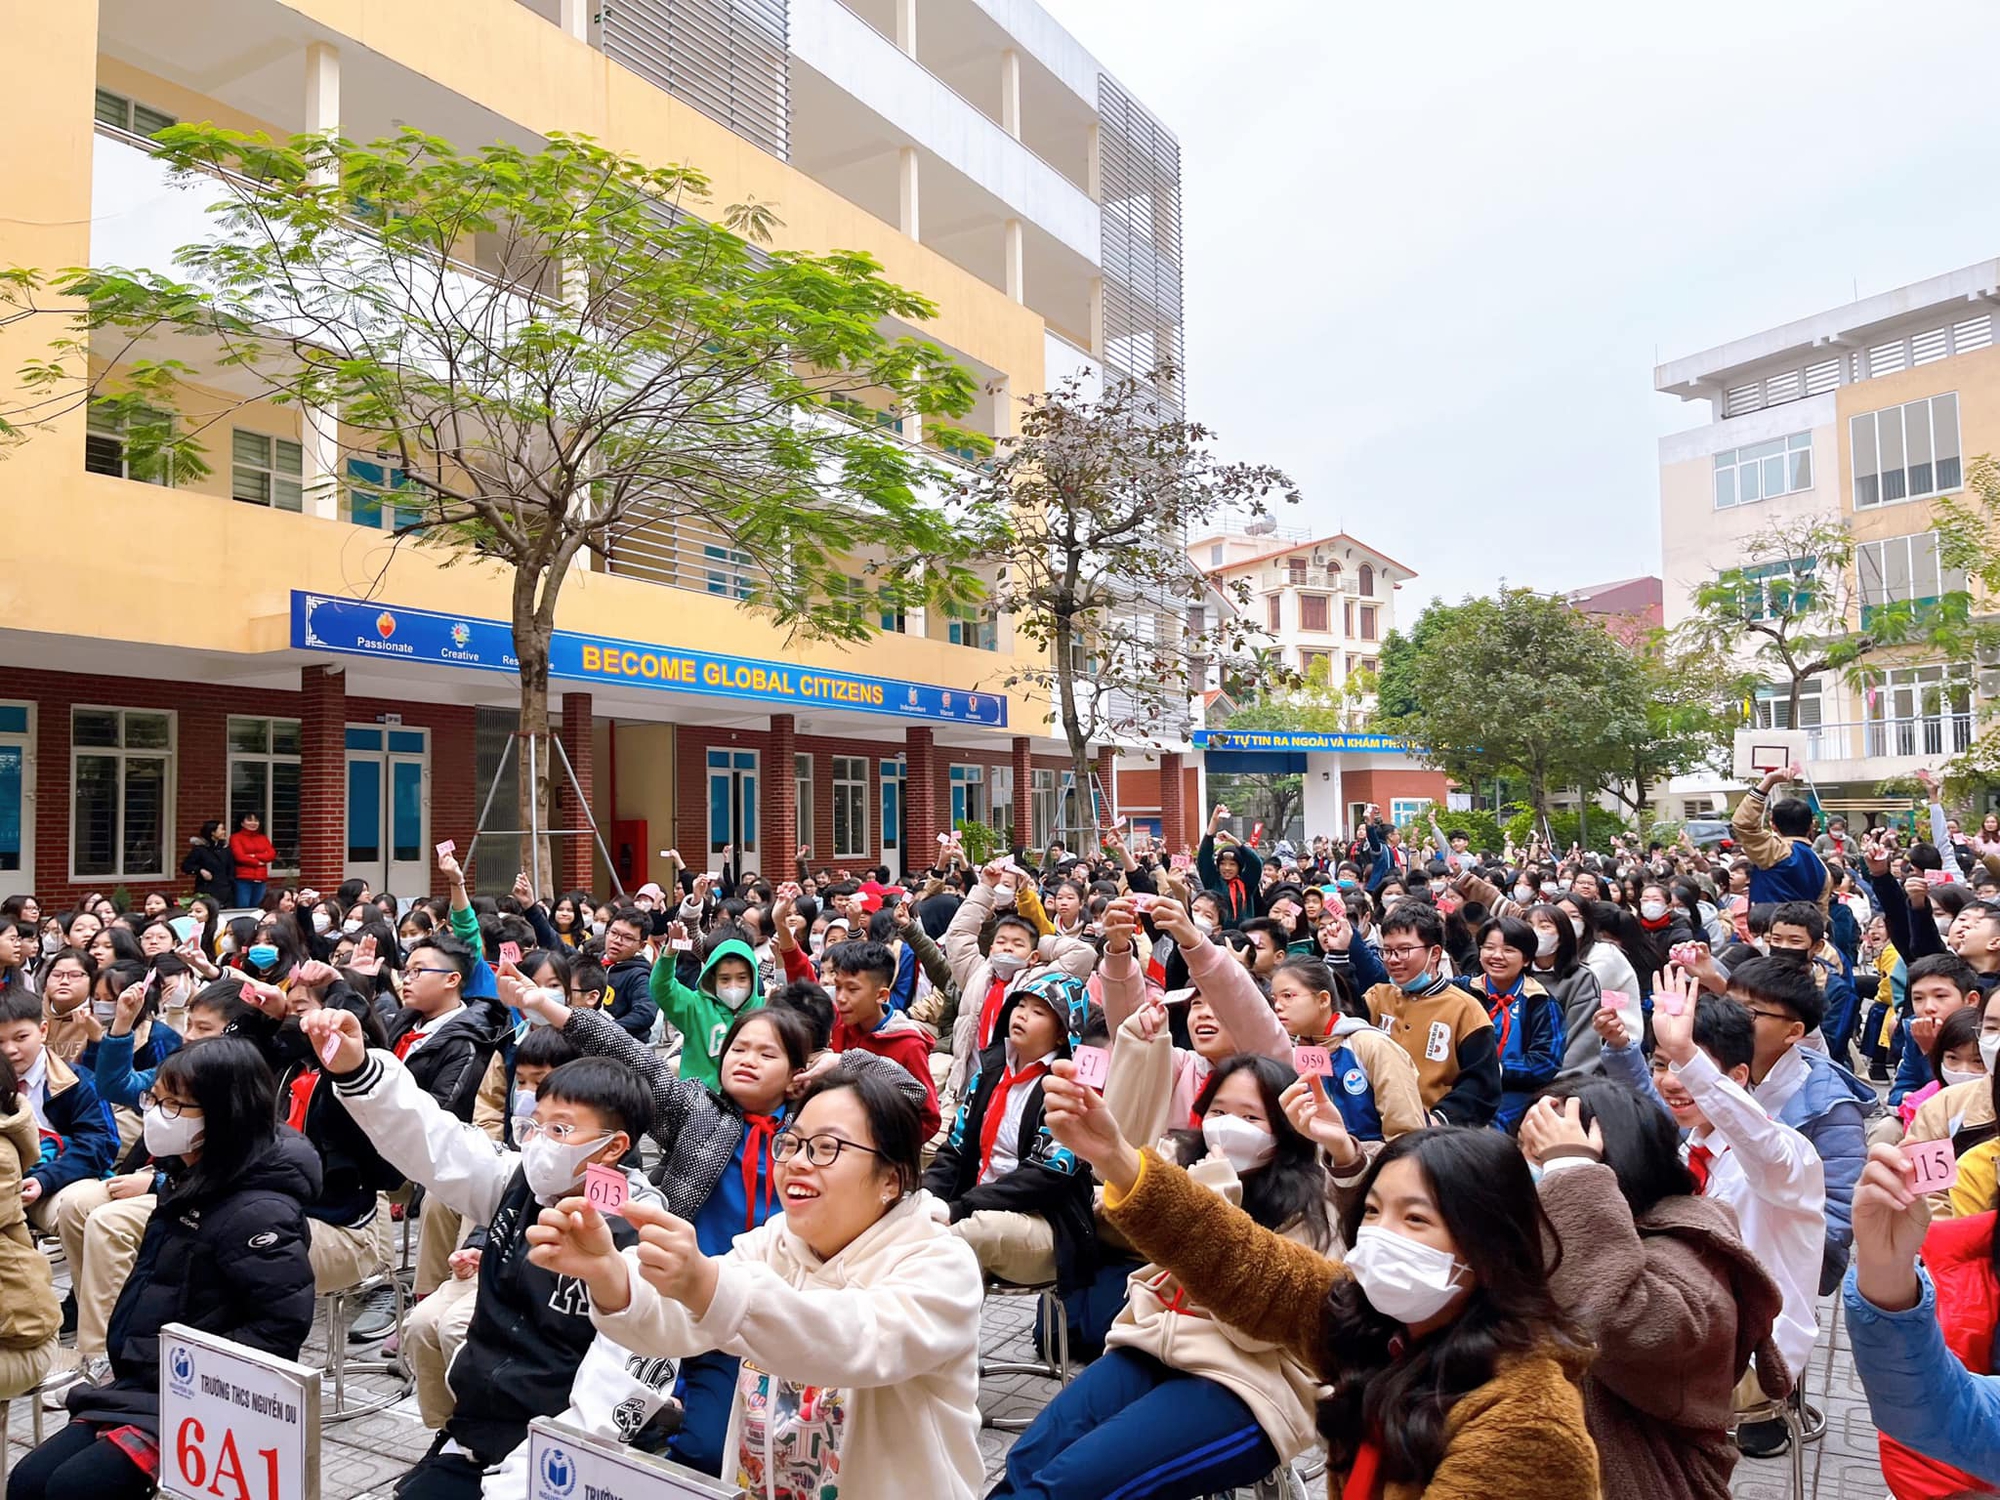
(1079, 746)
(531, 647)
(1583, 817)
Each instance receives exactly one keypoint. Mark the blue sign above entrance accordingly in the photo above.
(1294, 739)
(355, 627)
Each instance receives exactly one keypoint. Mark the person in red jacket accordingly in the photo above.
(862, 975)
(1959, 1254)
(253, 855)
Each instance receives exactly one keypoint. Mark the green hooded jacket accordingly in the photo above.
(703, 1019)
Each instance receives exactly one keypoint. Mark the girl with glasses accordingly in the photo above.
(855, 1314)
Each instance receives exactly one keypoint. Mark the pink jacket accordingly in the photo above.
(1230, 992)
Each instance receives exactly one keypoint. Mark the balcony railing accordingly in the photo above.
(1920, 736)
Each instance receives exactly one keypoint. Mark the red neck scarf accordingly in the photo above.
(989, 1011)
(758, 1130)
(1362, 1479)
(1700, 1161)
(301, 1100)
(996, 1109)
(405, 1042)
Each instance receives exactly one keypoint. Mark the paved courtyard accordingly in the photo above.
(363, 1457)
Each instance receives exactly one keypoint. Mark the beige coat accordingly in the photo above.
(29, 1312)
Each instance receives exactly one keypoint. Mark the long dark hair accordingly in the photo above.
(1291, 1187)
(10, 1087)
(1562, 962)
(1400, 1391)
(1623, 929)
(232, 1085)
(1641, 1145)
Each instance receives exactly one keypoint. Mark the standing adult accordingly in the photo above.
(209, 864)
(253, 856)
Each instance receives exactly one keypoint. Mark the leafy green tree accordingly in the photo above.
(1687, 712)
(606, 359)
(1520, 684)
(1086, 510)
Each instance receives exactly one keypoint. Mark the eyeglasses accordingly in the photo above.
(820, 1150)
(171, 1109)
(562, 1135)
(418, 969)
(1769, 1015)
(1404, 952)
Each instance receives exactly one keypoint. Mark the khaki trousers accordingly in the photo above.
(21, 1370)
(438, 1233)
(100, 1238)
(345, 1256)
(1020, 1248)
(432, 1334)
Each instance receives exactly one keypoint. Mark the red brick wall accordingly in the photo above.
(201, 767)
(1382, 786)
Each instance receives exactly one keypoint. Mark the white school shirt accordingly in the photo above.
(1005, 1156)
(1774, 1180)
(36, 1087)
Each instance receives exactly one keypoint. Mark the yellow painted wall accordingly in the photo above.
(645, 786)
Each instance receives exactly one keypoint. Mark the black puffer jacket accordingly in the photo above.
(209, 864)
(233, 1263)
(451, 1063)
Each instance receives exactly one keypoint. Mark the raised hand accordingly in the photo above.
(1334, 916)
(670, 1258)
(1610, 1026)
(131, 1000)
(523, 891)
(1550, 1123)
(364, 960)
(1172, 918)
(1318, 1119)
(340, 1030)
(448, 866)
(1121, 918)
(1890, 1220)
(1673, 1014)
(572, 1239)
(1079, 1119)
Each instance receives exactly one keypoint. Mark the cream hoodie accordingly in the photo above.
(870, 1360)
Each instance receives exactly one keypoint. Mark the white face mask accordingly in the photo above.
(351, 926)
(51, 942)
(322, 923)
(105, 1010)
(1545, 942)
(1523, 894)
(597, 929)
(1959, 1075)
(1576, 925)
(732, 995)
(1652, 911)
(1989, 1050)
(552, 1169)
(817, 942)
(1204, 925)
(171, 1137)
(1401, 1277)
(1244, 1146)
(1006, 965)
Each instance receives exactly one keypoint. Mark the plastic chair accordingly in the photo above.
(1055, 1320)
(1780, 1410)
(341, 1305)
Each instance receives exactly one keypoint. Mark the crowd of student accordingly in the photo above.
(1495, 1173)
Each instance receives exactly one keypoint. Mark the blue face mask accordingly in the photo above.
(1417, 983)
(263, 955)
(1347, 882)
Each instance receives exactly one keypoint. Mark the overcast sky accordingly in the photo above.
(1433, 252)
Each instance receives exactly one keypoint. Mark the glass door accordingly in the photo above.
(732, 810)
(388, 808)
(893, 809)
(17, 798)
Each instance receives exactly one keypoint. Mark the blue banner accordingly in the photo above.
(354, 627)
(1295, 739)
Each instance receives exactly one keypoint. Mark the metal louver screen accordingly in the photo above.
(1140, 173)
(725, 57)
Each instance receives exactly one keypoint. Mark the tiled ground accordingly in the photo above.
(363, 1457)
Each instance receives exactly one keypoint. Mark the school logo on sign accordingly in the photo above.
(180, 1370)
(461, 635)
(558, 1472)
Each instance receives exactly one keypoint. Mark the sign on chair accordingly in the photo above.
(235, 1421)
(564, 1464)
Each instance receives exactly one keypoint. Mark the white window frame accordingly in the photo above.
(1874, 430)
(1926, 731)
(962, 779)
(122, 754)
(1755, 459)
(134, 118)
(106, 427)
(802, 798)
(283, 488)
(1918, 554)
(1000, 803)
(270, 759)
(851, 787)
(1046, 795)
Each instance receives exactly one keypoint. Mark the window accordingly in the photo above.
(1905, 452)
(1365, 585)
(1773, 590)
(802, 798)
(121, 113)
(1317, 666)
(1295, 571)
(850, 806)
(893, 772)
(1042, 786)
(121, 777)
(1215, 555)
(862, 414)
(1367, 622)
(1903, 568)
(1403, 811)
(1918, 710)
(1774, 706)
(1347, 616)
(369, 485)
(266, 470)
(105, 446)
(728, 570)
(1782, 466)
(1312, 612)
(1273, 612)
(1001, 795)
(968, 795)
(970, 625)
(264, 779)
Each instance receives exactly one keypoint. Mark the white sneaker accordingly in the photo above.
(67, 1371)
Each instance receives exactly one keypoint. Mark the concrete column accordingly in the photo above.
(906, 26)
(1323, 810)
(322, 87)
(1024, 790)
(319, 438)
(575, 856)
(926, 811)
(1173, 813)
(1017, 278)
(1010, 92)
(907, 192)
(322, 776)
(576, 18)
(1095, 333)
(782, 835)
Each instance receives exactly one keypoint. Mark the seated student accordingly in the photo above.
(80, 1141)
(703, 1015)
(862, 973)
(1015, 950)
(1020, 1201)
(1797, 931)
(1919, 1394)
(435, 1327)
(226, 1255)
(715, 1167)
(1525, 1016)
(1741, 1155)
(1374, 1082)
(1937, 985)
(544, 969)
(529, 1335)
(1181, 1404)
(854, 1313)
(1659, 1279)
(1267, 945)
(1445, 1031)
(1454, 1372)
(1954, 1059)
(67, 978)
(30, 1315)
